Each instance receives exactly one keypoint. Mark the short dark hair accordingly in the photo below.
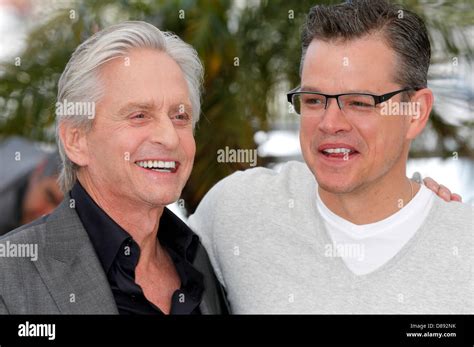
(403, 30)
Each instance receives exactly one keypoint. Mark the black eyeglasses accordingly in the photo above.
(314, 103)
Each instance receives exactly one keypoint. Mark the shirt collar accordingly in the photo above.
(107, 236)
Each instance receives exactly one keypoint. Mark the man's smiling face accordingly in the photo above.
(141, 146)
(378, 143)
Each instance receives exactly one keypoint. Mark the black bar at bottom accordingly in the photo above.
(444, 330)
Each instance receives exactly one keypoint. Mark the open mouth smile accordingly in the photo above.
(166, 166)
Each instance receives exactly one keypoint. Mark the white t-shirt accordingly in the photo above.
(365, 248)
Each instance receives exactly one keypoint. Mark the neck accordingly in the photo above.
(374, 201)
(141, 223)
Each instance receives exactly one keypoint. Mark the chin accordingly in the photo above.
(164, 199)
(335, 186)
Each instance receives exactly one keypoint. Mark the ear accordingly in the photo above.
(422, 102)
(74, 143)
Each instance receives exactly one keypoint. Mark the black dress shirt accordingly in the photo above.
(119, 255)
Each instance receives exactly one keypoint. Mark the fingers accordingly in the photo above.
(456, 197)
(431, 184)
(444, 193)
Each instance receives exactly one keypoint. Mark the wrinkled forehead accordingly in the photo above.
(144, 73)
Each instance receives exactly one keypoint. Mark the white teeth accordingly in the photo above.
(157, 165)
(337, 150)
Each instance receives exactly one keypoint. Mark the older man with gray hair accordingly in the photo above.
(128, 101)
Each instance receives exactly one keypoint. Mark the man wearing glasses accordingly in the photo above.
(346, 232)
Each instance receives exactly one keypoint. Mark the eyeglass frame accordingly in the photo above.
(378, 99)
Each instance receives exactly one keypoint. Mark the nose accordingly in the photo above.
(334, 120)
(165, 133)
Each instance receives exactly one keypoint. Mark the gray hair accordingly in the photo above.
(403, 30)
(79, 81)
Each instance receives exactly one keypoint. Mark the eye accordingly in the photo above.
(138, 116)
(181, 118)
(360, 104)
(313, 100)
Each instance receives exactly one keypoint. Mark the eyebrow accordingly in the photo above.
(317, 90)
(148, 106)
(134, 106)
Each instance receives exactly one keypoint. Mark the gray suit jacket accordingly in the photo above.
(67, 277)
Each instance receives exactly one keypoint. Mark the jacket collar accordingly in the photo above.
(70, 268)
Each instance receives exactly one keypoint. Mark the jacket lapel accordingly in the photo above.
(70, 268)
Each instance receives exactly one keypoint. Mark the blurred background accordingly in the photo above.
(251, 53)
